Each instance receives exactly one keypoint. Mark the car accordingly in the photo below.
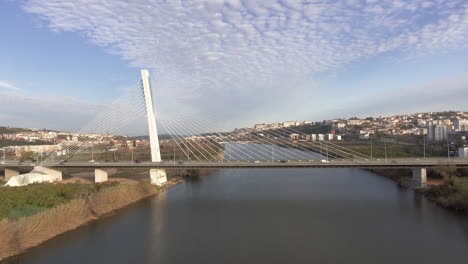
(137, 161)
(257, 161)
(324, 161)
(91, 161)
(283, 161)
(180, 162)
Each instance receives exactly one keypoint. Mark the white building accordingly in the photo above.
(463, 152)
(461, 125)
(355, 122)
(440, 133)
(338, 137)
(339, 125)
(436, 132)
(330, 136)
(295, 136)
(289, 123)
(260, 127)
(364, 136)
(422, 123)
(313, 137)
(321, 137)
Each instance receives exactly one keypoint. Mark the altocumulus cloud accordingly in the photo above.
(7, 85)
(235, 52)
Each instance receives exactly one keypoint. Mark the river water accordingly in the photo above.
(270, 216)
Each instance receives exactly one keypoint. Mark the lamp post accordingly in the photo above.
(327, 151)
(448, 150)
(92, 150)
(272, 154)
(3, 155)
(424, 143)
(385, 146)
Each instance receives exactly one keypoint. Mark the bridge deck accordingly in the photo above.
(394, 163)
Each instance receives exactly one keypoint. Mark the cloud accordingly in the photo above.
(45, 111)
(8, 86)
(248, 55)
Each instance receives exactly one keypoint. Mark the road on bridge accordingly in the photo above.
(336, 163)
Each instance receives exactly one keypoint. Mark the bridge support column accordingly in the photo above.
(10, 172)
(419, 177)
(100, 175)
(158, 176)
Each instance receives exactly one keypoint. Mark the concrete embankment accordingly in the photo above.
(23, 233)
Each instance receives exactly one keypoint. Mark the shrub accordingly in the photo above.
(26, 200)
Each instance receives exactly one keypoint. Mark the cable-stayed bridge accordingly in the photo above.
(192, 145)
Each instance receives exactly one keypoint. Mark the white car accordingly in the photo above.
(324, 161)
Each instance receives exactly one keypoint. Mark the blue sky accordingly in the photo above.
(260, 61)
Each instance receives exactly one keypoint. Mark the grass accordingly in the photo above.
(22, 201)
(21, 233)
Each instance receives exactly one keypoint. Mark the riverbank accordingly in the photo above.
(446, 186)
(19, 234)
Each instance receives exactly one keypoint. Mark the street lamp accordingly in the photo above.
(3, 149)
(424, 142)
(385, 146)
(272, 153)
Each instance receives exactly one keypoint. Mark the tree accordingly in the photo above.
(27, 155)
(446, 170)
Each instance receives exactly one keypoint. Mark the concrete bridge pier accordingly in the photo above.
(158, 177)
(11, 172)
(419, 177)
(56, 175)
(100, 175)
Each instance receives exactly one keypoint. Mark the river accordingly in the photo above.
(269, 216)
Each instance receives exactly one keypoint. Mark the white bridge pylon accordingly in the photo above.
(158, 176)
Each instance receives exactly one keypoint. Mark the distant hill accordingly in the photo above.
(11, 130)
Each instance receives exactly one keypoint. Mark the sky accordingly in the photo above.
(245, 61)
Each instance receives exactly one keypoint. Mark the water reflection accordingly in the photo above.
(271, 216)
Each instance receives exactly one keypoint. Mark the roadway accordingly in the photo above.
(371, 163)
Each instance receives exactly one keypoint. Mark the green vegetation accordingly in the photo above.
(22, 233)
(17, 202)
(11, 130)
(8, 142)
(27, 155)
(453, 194)
(397, 149)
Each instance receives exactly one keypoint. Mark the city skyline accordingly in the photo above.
(314, 60)
(416, 117)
